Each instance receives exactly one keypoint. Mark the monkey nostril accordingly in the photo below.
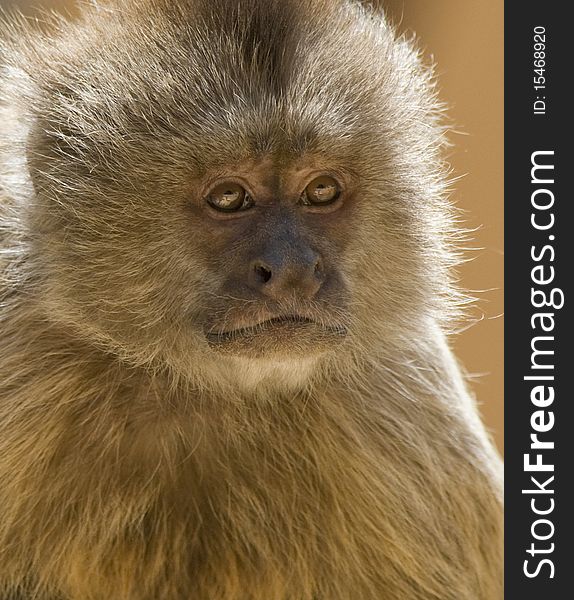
(263, 273)
(301, 277)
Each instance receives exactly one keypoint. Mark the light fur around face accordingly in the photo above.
(137, 462)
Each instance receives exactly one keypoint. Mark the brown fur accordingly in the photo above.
(135, 462)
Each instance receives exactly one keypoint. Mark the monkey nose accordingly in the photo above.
(279, 280)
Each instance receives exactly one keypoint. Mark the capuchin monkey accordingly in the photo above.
(225, 290)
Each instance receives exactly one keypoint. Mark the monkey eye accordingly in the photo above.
(229, 197)
(321, 191)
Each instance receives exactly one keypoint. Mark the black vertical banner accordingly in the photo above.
(539, 345)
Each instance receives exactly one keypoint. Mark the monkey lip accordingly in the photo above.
(281, 333)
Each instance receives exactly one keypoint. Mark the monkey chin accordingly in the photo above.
(278, 353)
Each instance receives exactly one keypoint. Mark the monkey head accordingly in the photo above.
(220, 182)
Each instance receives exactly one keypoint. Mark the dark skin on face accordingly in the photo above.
(276, 233)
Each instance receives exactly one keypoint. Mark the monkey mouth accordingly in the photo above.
(285, 333)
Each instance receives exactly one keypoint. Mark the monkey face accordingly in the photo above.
(274, 234)
(220, 187)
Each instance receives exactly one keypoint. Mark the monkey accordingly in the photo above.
(227, 286)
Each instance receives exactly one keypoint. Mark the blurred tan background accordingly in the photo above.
(465, 40)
